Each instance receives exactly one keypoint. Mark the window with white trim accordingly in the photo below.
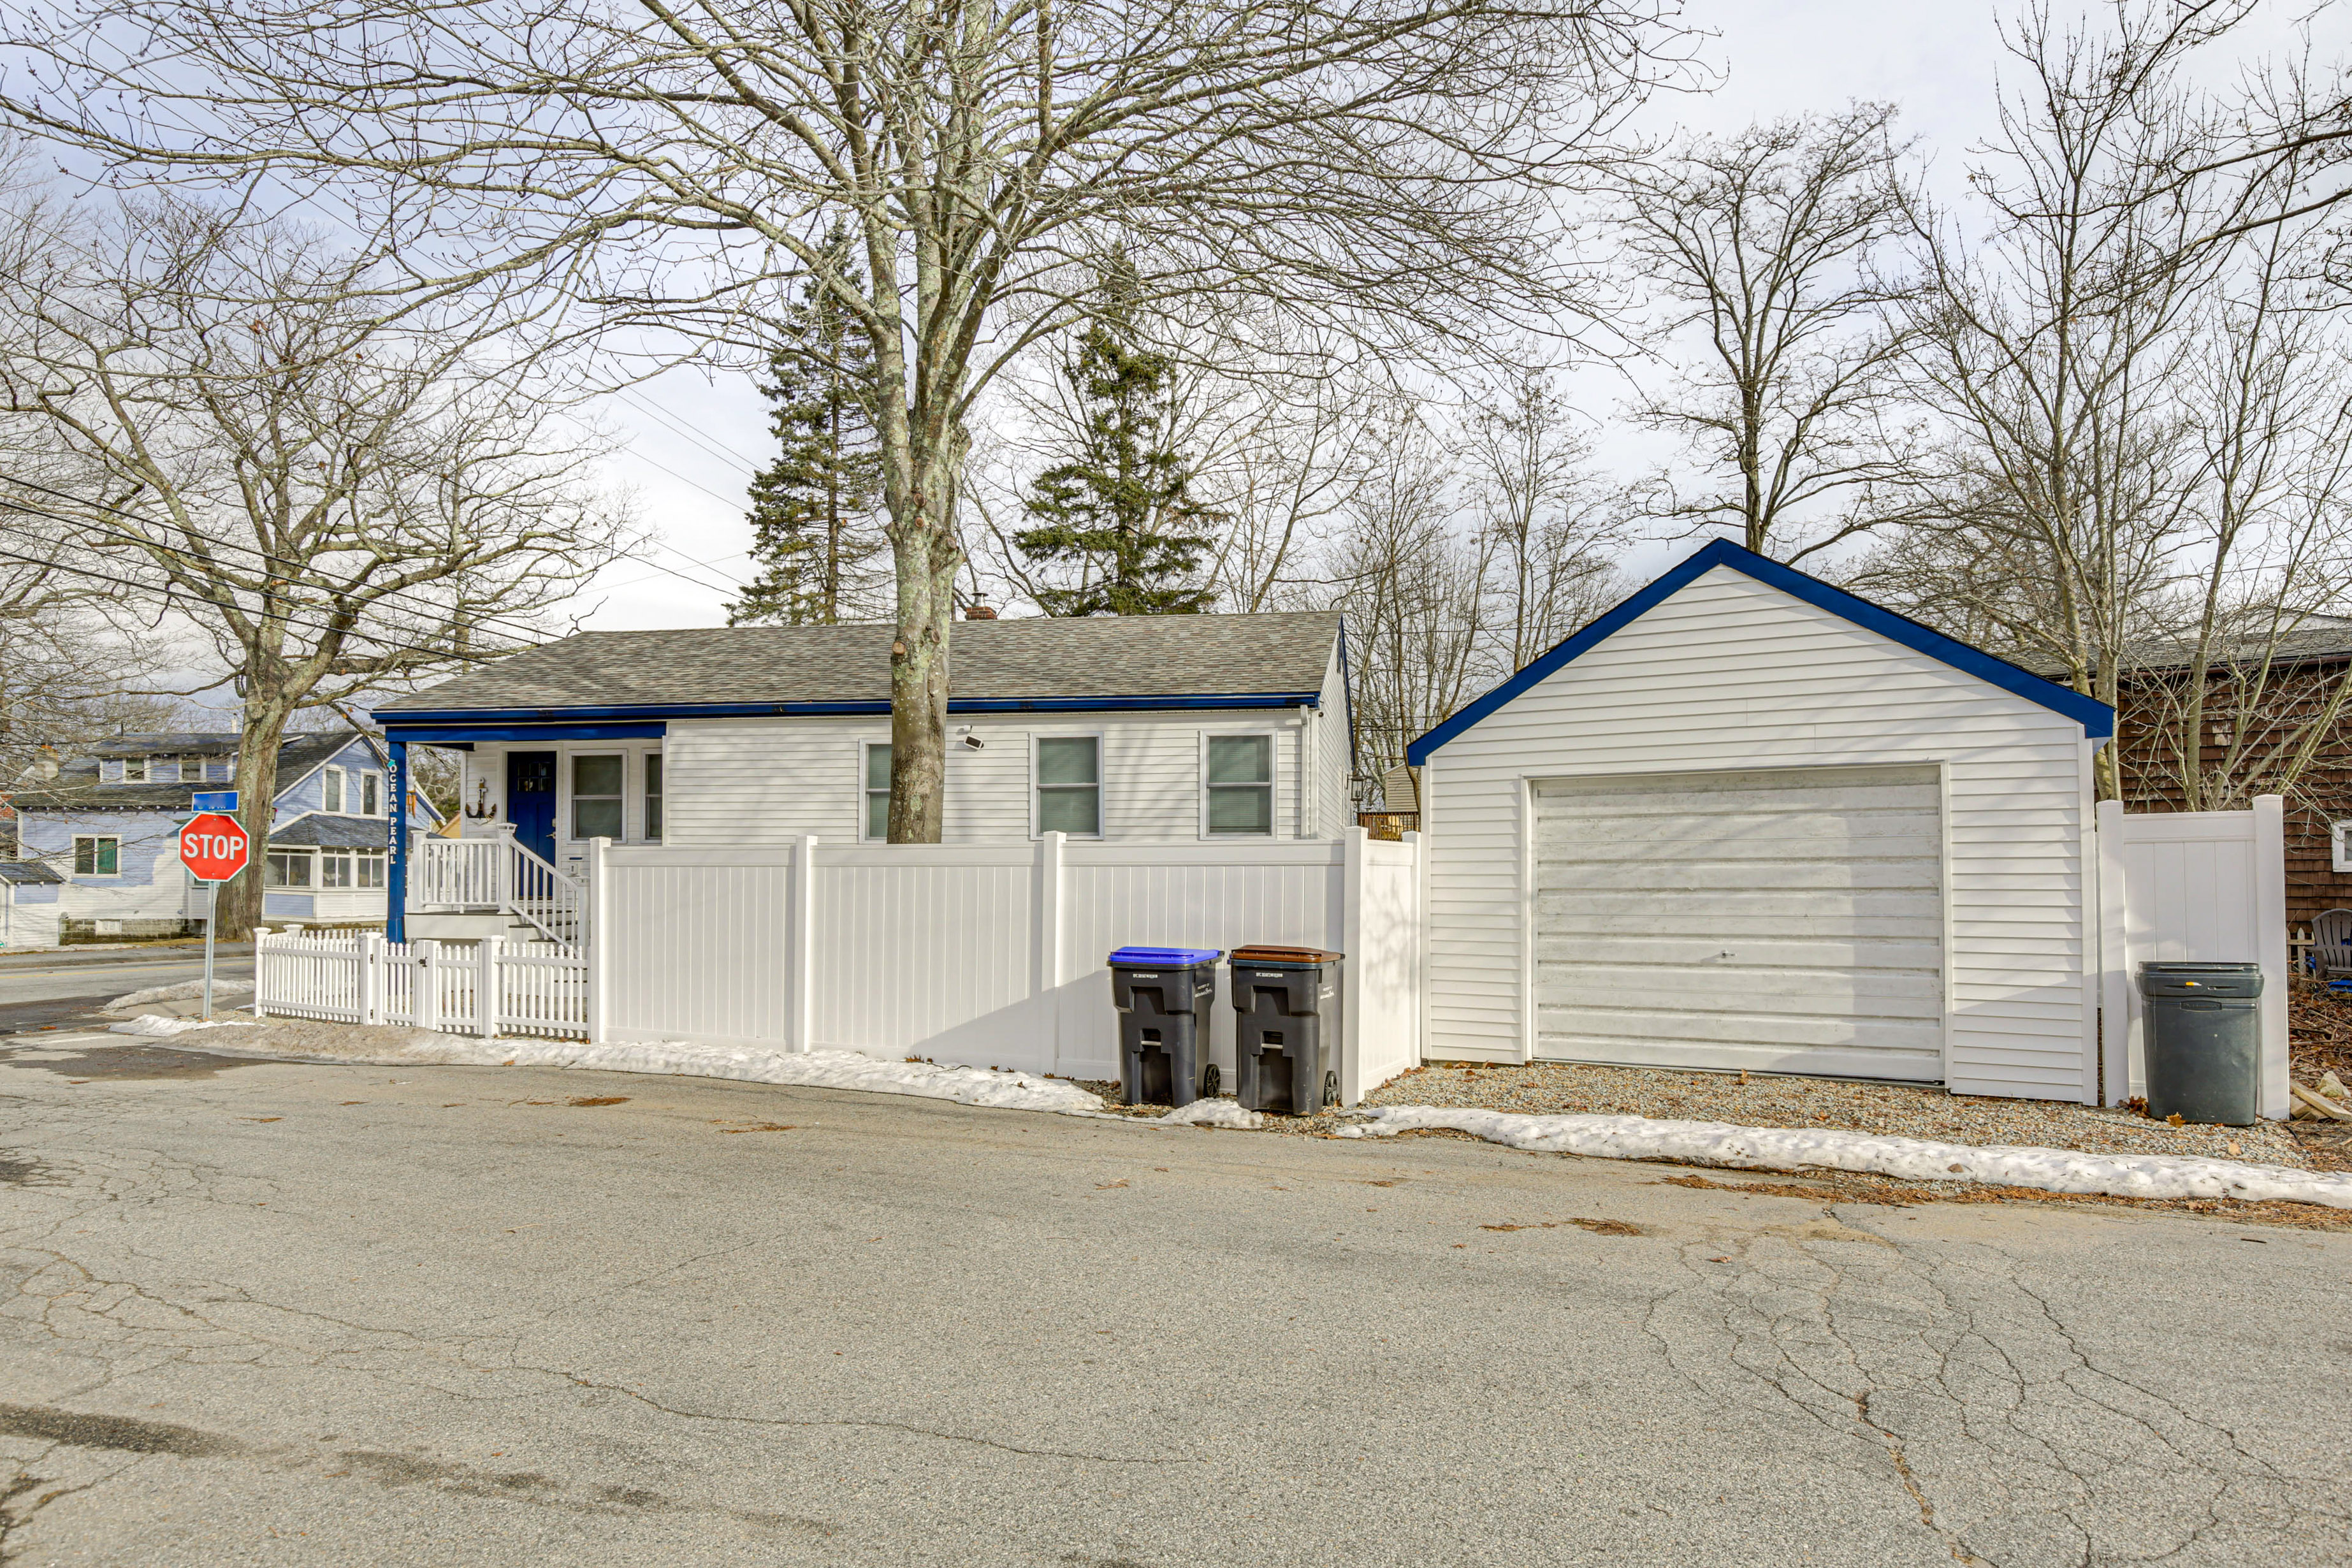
(875, 791)
(596, 795)
(371, 793)
(1068, 771)
(653, 797)
(96, 855)
(1238, 779)
(335, 868)
(332, 791)
(286, 868)
(2339, 852)
(371, 867)
(134, 770)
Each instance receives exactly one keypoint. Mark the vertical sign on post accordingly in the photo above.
(214, 848)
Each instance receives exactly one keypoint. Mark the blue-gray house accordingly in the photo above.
(98, 846)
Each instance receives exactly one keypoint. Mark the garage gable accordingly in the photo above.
(2096, 717)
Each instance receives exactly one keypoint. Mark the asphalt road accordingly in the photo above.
(285, 1313)
(48, 989)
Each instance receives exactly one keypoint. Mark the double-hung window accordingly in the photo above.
(596, 796)
(876, 792)
(1240, 772)
(331, 793)
(371, 793)
(653, 797)
(96, 855)
(1069, 784)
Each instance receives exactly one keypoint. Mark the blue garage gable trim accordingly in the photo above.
(2098, 720)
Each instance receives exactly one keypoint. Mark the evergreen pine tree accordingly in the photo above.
(1117, 506)
(815, 510)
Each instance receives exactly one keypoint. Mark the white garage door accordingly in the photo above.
(1789, 920)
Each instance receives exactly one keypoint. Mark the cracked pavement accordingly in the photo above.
(260, 1312)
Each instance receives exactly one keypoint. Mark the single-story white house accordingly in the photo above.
(1163, 729)
(1748, 820)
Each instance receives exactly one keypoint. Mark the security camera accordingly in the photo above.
(974, 742)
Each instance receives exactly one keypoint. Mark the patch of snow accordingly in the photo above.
(186, 991)
(807, 1070)
(1214, 1114)
(1913, 1159)
(156, 1024)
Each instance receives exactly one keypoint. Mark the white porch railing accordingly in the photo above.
(493, 874)
(494, 987)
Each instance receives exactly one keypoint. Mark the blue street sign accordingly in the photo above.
(213, 800)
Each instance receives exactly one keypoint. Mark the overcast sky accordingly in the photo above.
(694, 441)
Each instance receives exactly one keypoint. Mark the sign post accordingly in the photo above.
(214, 848)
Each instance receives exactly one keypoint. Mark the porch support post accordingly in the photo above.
(395, 895)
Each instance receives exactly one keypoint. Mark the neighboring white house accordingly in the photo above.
(1164, 729)
(1747, 820)
(105, 834)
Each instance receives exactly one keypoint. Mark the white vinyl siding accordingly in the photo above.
(1789, 920)
(771, 781)
(1731, 674)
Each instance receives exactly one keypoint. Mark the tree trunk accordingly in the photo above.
(923, 547)
(258, 739)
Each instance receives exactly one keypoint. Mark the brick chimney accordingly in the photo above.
(978, 613)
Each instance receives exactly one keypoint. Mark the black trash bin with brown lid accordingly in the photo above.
(1285, 1028)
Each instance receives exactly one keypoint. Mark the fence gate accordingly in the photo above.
(489, 987)
(2190, 885)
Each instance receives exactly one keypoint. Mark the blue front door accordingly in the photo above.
(531, 801)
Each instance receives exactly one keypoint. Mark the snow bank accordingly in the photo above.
(1916, 1159)
(186, 991)
(809, 1069)
(155, 1024)
(1214, 1114)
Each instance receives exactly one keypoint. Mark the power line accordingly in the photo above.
(261, 554)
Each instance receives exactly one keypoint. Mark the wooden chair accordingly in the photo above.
(2331, 944)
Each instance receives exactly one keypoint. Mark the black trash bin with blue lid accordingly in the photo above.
(1162, 994)
(1285, 1028)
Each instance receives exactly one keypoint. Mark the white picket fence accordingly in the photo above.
(990, 955)
(2204, 885)
(492, 987)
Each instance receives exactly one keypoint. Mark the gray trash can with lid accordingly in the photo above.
(1162, 994)
(2203, 1040)
(1285, 1028)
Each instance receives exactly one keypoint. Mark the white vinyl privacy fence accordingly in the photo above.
(990, 955)
(2197, 885)
(986, 954)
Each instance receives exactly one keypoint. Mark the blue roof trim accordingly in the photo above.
(399, 722)
(2098, 720)
(439, 735)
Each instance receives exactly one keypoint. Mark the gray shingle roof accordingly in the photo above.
(27, 873)
(75, 787)
(1034, 659)
(333, 832)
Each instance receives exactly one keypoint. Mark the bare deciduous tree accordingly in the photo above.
(1360, 161)
(1767, 247)
(339, 500)
(1547, 522)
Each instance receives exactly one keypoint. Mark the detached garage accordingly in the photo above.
(1748, 820)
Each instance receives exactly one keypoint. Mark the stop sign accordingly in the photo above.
(214, 847)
